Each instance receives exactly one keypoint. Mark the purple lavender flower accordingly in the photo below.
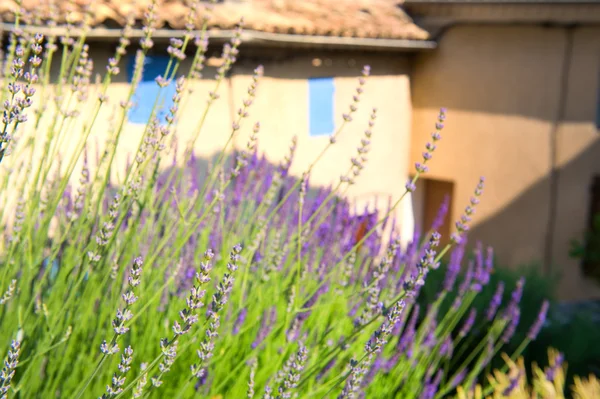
(539, 322)
(480, 277)
(468, 323)
(518, 292)
(458, 378)
(513, 312)
(431, 387)
(440, 217)
(551, 371)
(512, 385)
(326, 369)
(239, 321)
(496, 301)
(464, 286)
(447, 348)
(267, 325)
(489, 260)
(406, 342)
(513, 321)
(291, 372)
(375, 368)
(201, 381)
(454, 266)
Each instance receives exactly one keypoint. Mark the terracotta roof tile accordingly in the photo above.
(344, 18)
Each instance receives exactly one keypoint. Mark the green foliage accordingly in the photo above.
(141, 289)
(588, 250)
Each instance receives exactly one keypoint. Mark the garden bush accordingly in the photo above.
(573, 334)
(237, 283)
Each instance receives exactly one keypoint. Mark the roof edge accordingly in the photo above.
(251, 37)
(488, 2)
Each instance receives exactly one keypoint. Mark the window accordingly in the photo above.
(148, 90)
(320, 106)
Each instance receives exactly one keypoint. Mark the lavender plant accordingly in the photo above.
(254, 283)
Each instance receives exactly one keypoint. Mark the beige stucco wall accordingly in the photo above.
(501, 86)
(281, 107)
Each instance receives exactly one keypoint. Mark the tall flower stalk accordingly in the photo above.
(317, 300)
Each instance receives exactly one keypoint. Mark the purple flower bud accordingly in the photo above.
(240, 321)
(431, 387)
(366, 70)
(496, 301)
(512, 384)
(539, 322)
(517, 293)
(466, 283)
(454, 266)
(489, 261)
(421, 168)
(551, 371)
(325, 369)
(513, 321)
(447, 348)
(456, 238)
(267, 325)
(458, 379)
(468, 324)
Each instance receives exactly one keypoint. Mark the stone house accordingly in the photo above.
(520, 80)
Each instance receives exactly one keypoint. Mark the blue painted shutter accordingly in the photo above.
(147, 90)
(320, 106)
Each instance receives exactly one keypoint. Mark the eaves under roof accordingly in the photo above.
(334, 23)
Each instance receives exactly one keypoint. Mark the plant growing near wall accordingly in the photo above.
(588, 250)
(240, 282)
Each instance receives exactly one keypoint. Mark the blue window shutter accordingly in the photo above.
(147, 90)
(320, 106)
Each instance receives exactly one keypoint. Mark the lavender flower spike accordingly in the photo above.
(265, 328)
(537, 326)
(462, 225)
(294, 367)
(431, 387)
(468, 324)
(496, 301)
(512, 385)
(454, 266)
(239, 321)
(557, 364)
(441, 214)
(513, 319)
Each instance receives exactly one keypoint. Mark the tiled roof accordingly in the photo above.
(541, 2)
(341, 18)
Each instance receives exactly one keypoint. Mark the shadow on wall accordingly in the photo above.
(509, 229)
(511, 84)
(511, 70)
